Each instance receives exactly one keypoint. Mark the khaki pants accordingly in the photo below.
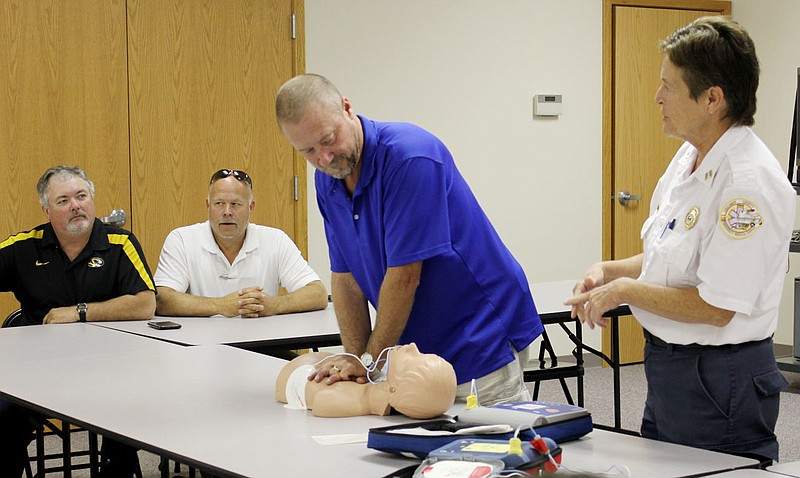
(505, 384)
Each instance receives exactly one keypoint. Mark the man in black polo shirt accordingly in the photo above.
(70, 269)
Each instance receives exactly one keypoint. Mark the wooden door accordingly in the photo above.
(635, 150)
(203, 78)
(63, 100)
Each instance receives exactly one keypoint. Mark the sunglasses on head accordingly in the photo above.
(224, 173)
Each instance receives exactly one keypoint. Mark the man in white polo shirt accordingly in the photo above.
(227, 266)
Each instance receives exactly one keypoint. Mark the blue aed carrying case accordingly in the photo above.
(527, 458)
(558, 421)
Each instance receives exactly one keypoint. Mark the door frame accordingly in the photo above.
(300, 165)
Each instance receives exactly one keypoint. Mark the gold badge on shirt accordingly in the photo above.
(691, 217)
(739, 218)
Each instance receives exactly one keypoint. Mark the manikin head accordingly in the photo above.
(419, 385)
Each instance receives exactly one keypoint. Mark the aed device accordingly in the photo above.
(458, 468)
(531, 456)
(547, 105)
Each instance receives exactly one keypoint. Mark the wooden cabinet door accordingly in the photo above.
(63, 100)
(203, 77)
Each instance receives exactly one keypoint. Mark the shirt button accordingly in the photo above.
(355, 216)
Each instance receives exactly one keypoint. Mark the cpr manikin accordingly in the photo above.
(417, 385)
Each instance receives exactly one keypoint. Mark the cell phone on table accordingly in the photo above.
(163, 324)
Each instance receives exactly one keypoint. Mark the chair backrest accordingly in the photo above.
(14, 319)
(118, 217)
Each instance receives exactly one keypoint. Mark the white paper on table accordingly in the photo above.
(343, 439)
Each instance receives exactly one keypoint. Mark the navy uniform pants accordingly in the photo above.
(17, 425)
(723, 398)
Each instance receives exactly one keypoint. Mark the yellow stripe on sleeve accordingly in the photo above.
(133, 255)
(22, 236)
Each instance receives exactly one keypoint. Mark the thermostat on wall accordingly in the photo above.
(547, 105)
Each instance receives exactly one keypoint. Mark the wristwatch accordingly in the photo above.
(366, 359)
(81, 311)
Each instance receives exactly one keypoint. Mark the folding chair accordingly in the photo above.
(549, 369)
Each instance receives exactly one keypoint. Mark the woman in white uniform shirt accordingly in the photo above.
(708, 286)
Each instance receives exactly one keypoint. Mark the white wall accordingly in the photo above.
(773, 26)
(467, 71)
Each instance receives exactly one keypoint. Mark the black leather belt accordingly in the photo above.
(658, 342)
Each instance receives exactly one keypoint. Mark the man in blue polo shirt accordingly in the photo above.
(406, 234)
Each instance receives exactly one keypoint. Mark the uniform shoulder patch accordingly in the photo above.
(740, 218)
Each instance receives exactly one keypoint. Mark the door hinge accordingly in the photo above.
(296, 188)
(294, 26)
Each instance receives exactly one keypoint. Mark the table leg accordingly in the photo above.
(579, 360)
(615, 370)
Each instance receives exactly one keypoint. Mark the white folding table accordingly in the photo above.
(278, 332)
(213, 407)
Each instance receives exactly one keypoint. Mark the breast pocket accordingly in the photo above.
(647, 228)
(680, 265)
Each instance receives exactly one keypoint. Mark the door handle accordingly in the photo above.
(625, 197)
